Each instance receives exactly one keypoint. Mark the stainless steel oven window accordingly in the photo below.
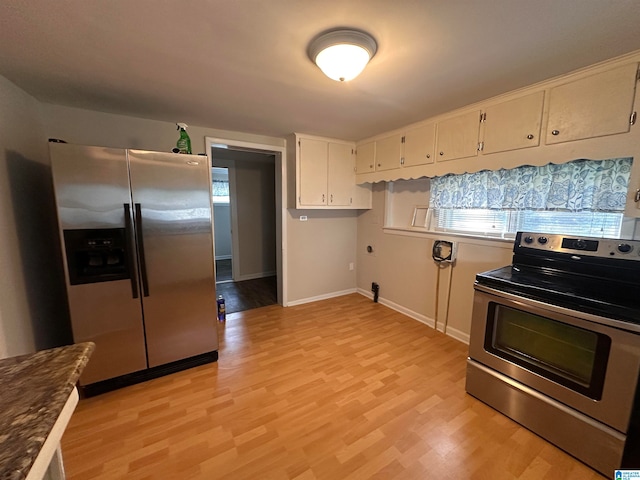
(571, 356)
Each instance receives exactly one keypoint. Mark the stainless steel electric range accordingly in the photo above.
(555, 344)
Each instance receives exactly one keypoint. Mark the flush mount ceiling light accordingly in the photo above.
(342, 53)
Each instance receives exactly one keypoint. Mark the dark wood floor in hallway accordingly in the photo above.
(247, 294)
(339, 389)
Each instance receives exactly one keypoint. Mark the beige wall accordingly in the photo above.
(33, 309)
(255, 194)
(222, 231)
(86, 127)
(409, 279)
(320, 251)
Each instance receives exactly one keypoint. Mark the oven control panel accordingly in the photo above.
(595, 247)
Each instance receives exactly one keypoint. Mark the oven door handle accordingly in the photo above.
(518, 299)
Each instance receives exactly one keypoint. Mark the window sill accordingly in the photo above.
(468, 238)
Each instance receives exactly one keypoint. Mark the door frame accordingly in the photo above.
(280, 200)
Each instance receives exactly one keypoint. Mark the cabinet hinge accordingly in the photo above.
(480, 146)
(299, 143)
(401, 160)
(483, 117)
(350, 200)
(632, 119)
(638, 75)
(402, 141)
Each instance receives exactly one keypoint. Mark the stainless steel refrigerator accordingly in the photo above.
(136, 232)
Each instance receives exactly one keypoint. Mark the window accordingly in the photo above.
(220, 184)
(220, 191)
(583, 197)
(505, 224)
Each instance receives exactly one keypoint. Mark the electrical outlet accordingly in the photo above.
(303, 218)
(351, 266)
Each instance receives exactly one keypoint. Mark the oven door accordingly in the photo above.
(577, 359)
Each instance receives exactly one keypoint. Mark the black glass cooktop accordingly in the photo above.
(606, 297)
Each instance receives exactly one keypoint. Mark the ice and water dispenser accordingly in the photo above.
(96, 255)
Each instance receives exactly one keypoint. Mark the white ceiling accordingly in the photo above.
(242, 64)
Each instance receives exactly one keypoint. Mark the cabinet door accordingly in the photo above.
(388, 153)
(419, 144)
(594, 106)
(458, 136)
(312, 172)
(365, 158)
(514, 124)
(342, 177)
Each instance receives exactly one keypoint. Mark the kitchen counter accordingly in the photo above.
(37, 397)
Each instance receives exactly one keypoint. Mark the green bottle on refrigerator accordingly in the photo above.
(184, 142)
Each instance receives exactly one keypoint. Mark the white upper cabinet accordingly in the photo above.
(513, 124)
(341, 174)
(388, 152)
(366, 158)
(312, 172)
(458, 136)
(591, 113)
(414, 147)
(593, 106)
(419, 145)
(325, 175)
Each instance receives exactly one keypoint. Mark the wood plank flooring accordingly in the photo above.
(339, 389)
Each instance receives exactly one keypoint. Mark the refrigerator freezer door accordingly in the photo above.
(172, 201)
(91, 185)
(92, 188)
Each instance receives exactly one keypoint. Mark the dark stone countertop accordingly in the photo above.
(34, 389)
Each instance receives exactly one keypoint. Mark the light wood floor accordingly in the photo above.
(343, 388)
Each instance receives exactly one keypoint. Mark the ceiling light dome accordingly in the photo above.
(342, 53)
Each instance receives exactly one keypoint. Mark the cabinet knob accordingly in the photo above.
(370, 166)
(379, 164)
(555, 132)
(428, 155)
(441, 153)
(530, 137)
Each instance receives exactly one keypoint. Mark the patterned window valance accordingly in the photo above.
(581, 185)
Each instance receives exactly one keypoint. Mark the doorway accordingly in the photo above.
(249, 271)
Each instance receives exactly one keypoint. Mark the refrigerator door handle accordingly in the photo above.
(130, 259)
(143, 263)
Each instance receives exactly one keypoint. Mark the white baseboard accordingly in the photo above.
(452, 332)
(321, 297)
(458, 335)
(399, 308)
(253, 276)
